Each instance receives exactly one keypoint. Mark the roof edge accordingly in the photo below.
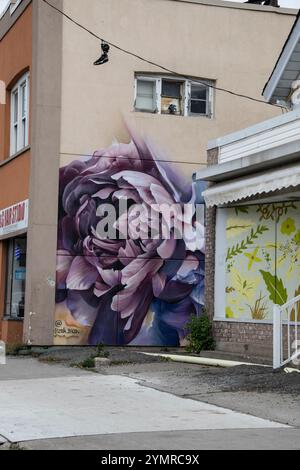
(255, 129)
(240, 6)
(282, 60)
(8, 19)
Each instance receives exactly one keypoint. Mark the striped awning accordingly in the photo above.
(242, 188)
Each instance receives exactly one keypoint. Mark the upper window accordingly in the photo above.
(167, 95)
(19, 115)
(14, 5)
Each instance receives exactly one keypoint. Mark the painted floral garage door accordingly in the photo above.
(262, 259)
(131, 290)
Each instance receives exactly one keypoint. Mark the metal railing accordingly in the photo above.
(286, 340)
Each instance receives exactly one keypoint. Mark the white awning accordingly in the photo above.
(241, 188)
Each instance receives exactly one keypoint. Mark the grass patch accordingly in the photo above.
(88, 363)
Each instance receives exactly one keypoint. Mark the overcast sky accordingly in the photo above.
(283, 3)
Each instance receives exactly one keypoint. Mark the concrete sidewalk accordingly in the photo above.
(232, 439)
(96, 404)
(56, 407)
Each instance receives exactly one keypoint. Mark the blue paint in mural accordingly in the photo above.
(130, 290)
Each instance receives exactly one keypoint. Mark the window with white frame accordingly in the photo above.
(175, 96)
(146, 95)
(14, 5)
(19, 115)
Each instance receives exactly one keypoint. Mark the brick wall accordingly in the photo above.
(210, 245)
(251, 339)
(244, 338)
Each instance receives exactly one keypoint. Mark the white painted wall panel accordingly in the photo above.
(271, 138)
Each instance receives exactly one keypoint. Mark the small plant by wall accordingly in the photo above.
(88, 363)
(199, 335)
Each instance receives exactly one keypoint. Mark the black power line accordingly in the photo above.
(186, 77)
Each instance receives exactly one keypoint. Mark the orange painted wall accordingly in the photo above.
(11, 332)
(14, 180)
(15, 59)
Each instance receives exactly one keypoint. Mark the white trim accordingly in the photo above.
(209, 100)
(242, 6)
(19, 128)
(282, 63)
(256, 129)
(258, 143)
(14, 5)
(186, 94)
(158, 95)
(187, 98)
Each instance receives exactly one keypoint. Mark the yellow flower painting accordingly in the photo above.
(263, 259)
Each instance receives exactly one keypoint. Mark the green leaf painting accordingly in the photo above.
(262, 253)
(275, 211)
(276, 289)
(239, 248)
(242, 209)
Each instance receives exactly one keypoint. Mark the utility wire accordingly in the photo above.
(186, 77)
(159, 160)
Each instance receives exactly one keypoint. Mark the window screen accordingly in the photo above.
(145, 96)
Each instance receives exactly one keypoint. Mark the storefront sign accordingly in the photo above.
(14, 218)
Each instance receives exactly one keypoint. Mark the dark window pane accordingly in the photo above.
(16, 278)
(198, 107)
(171, 89)
(199, 92)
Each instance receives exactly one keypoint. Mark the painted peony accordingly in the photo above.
(130, 289)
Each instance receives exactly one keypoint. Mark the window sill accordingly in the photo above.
(192, 116)
(14, 156)
(11, 319)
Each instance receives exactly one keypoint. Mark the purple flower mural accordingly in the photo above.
(132, 290)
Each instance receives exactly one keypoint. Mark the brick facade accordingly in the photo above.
(244, 338)
(250, 339)
(210, 245)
